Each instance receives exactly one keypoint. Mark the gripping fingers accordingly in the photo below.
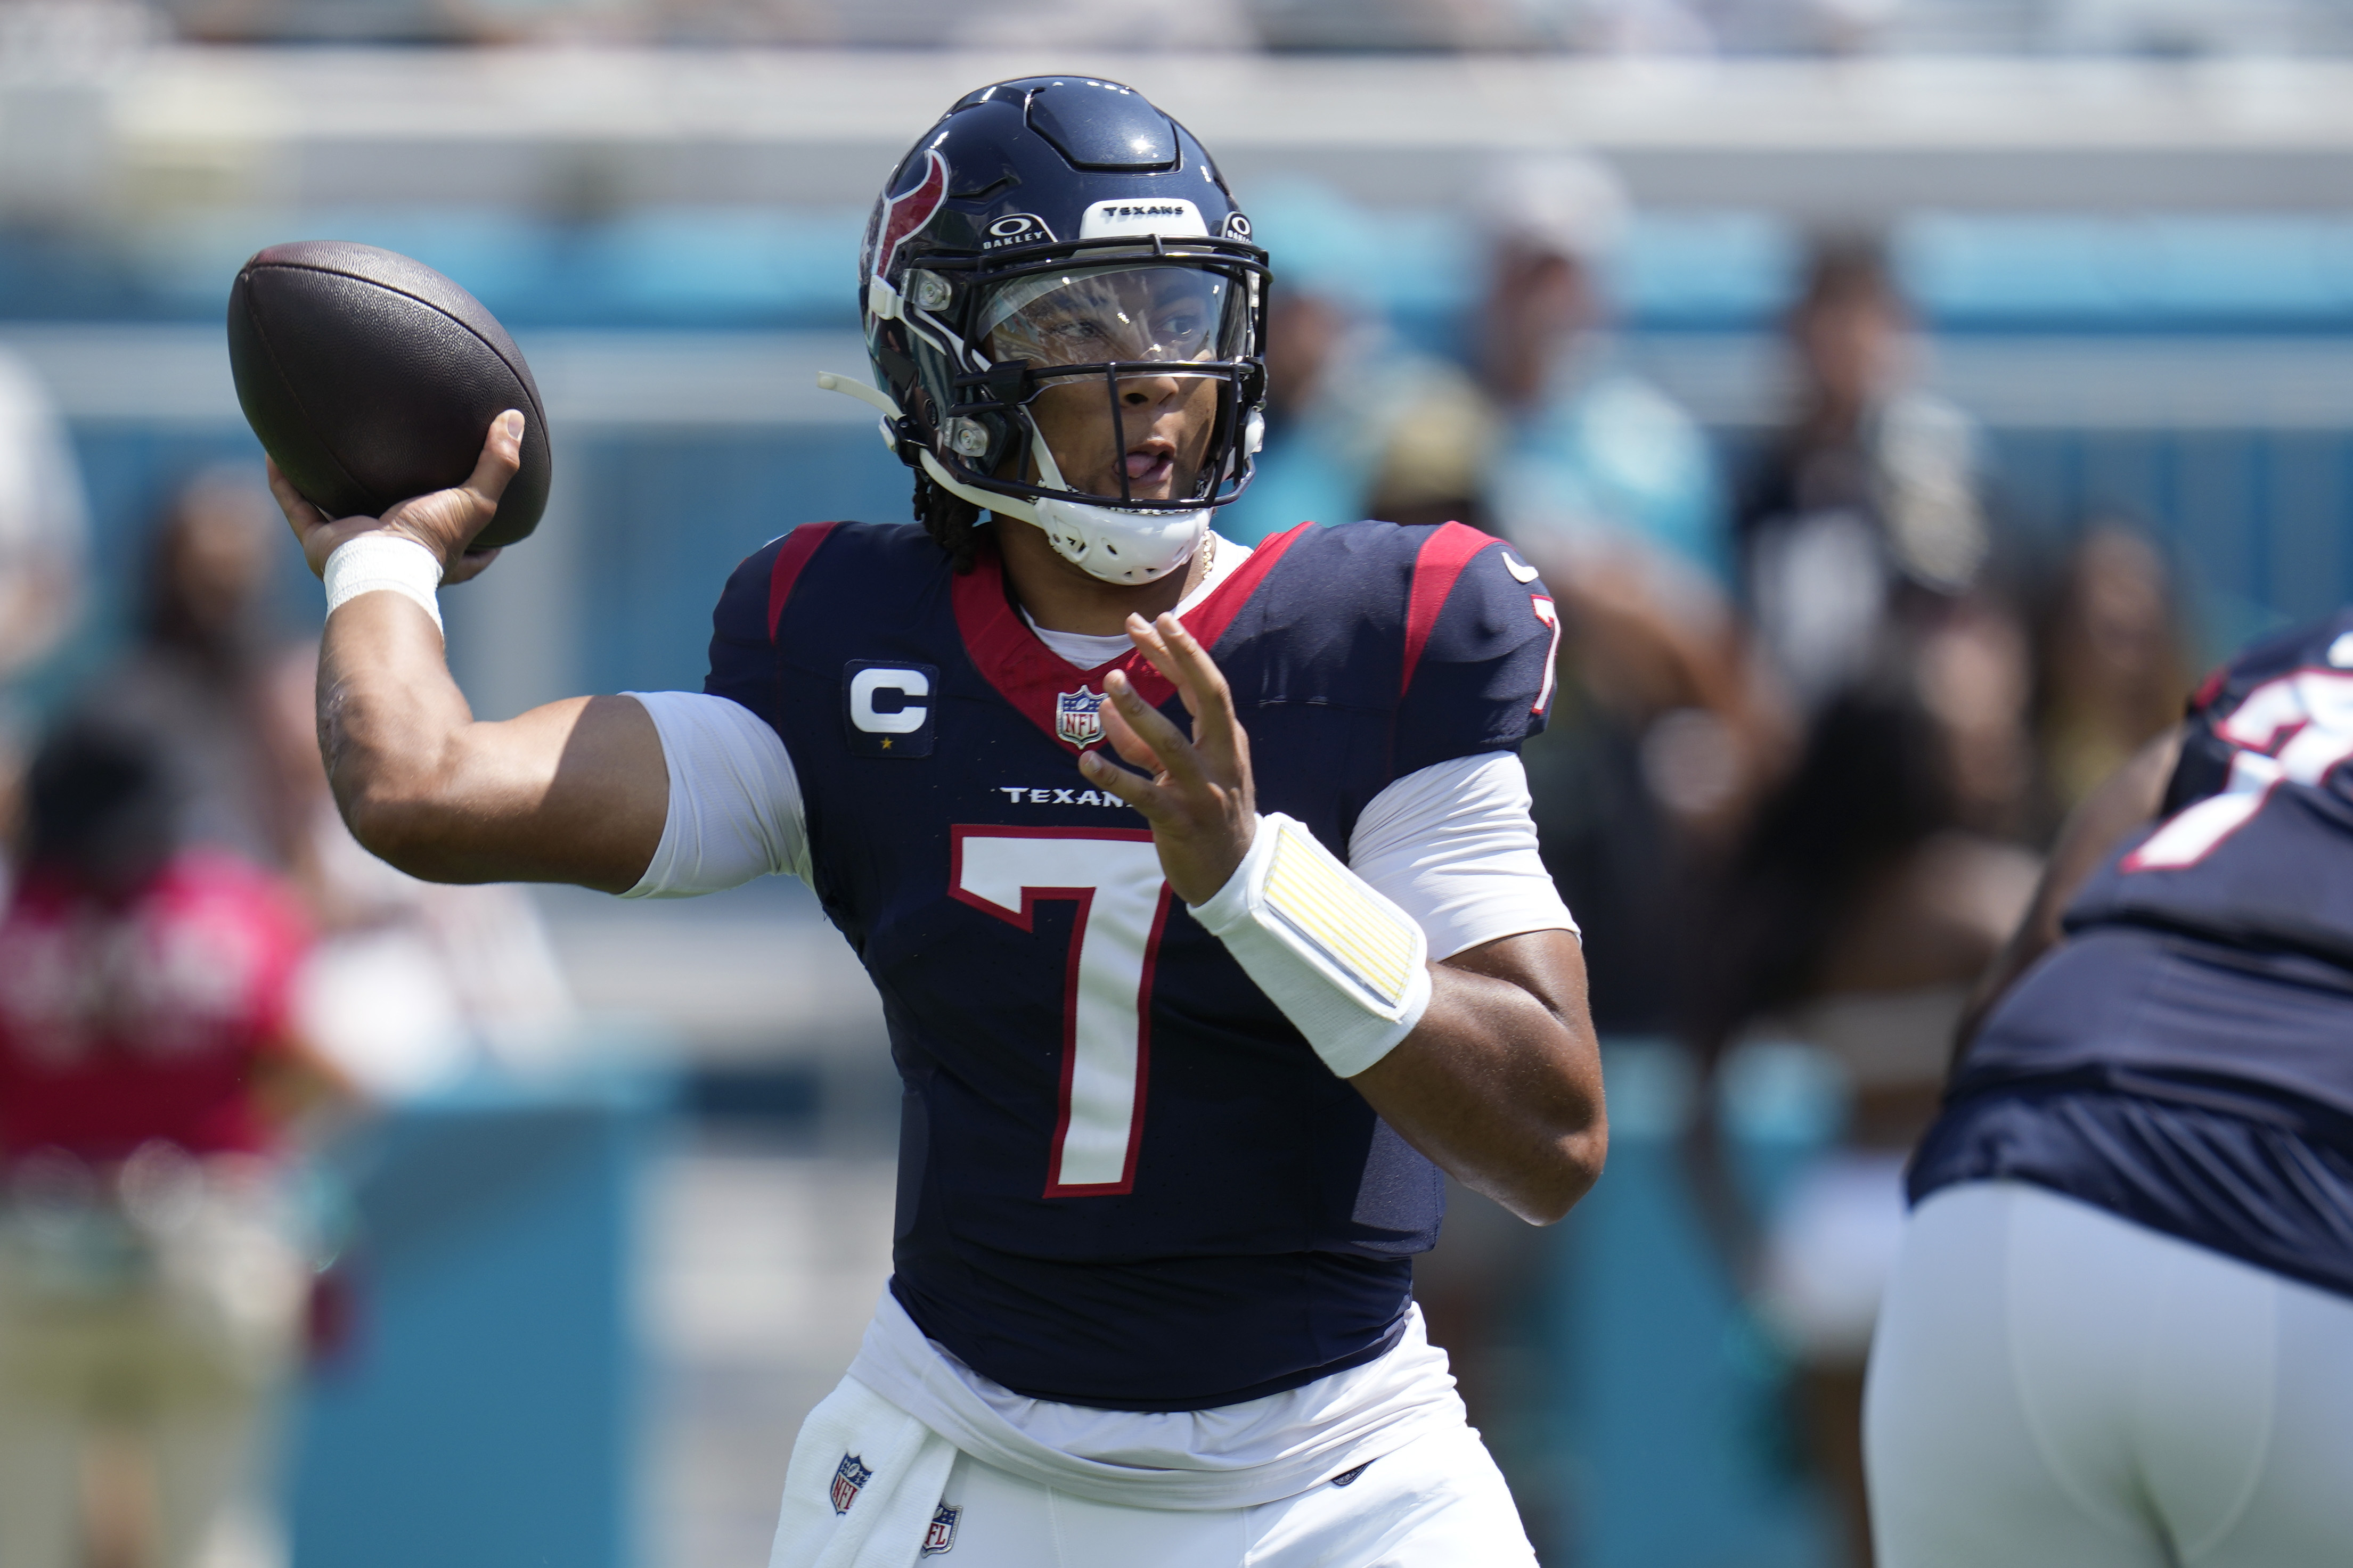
(1133, 788)
(298, 512)
(501, 458)
(1177, 654)
(1179, 764)
(1204, 684)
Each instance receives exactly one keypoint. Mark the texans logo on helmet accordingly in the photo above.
(904, 216)
(1078, 717)
(850, 1479)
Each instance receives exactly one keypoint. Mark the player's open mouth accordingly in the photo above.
(1150, 463)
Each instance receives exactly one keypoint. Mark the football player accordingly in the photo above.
(1186, 1037)
(2119, 1335)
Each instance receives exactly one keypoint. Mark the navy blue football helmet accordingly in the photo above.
(1049, 232)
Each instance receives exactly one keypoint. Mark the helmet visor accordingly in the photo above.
(1158, 313)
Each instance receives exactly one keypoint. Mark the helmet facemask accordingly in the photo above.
(1107, 391)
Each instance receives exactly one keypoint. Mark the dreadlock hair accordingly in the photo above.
(952, 522)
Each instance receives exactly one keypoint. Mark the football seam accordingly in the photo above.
(523, 379)
(261, 330)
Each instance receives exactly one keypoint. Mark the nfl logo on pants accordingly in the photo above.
(941, 1534)
(849, 1477)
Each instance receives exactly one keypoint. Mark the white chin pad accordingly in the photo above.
(1120, 546)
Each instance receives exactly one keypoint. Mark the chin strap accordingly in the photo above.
(987, 501)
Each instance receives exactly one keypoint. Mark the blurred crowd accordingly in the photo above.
(202, 975)
(1597, 27)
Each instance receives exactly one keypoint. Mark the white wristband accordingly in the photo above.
(383, 562)
(1347, 967)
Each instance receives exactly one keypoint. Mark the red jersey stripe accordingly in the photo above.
(800, 545)
(1436, 567)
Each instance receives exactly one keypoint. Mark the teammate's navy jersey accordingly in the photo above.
(2219, 940)
(2185, 1057)
(1125, 1180)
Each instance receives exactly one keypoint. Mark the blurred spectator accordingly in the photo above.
(151, 1284)
(1876, 883)
(1594, 458)
(1358, 425)
(41, 523)
(42, 530)
(190, 679)
(2114, 666)
(1610, 490)
(1864, 517)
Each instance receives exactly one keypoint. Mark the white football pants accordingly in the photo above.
(1437, 1502)
(2054, 1387)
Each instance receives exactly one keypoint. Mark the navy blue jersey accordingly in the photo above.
(2249, 868)
(1125, 1180)
(2185, 1057)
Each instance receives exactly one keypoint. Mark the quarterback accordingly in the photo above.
(1197, 881)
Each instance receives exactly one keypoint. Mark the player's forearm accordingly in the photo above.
(572, 791)
(1500, 1083)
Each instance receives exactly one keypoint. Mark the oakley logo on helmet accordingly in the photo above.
(904, 216)
(1236, 226)
(1171, 216)
(1015, 228)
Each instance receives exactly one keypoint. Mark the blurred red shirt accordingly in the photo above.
(146, 1021)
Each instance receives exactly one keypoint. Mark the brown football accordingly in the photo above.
(371, 378)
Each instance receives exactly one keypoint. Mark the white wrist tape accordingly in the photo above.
(385, 562)
(1347, 967)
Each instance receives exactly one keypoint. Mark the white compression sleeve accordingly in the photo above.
(1454, 846)
(734, 801)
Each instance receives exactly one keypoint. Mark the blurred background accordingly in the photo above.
(1906, 399)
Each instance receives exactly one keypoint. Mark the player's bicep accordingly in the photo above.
(570, 792)
(734, 810)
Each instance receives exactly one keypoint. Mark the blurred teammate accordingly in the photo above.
(150, 1294)
(1176, 1070)
(2120, 1332)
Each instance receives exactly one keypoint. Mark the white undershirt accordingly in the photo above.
(1452, 844)
(1087, 651)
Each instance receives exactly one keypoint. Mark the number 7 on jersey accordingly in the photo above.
(1113, 876)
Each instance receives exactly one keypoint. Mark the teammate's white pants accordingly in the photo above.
(2053, 1387)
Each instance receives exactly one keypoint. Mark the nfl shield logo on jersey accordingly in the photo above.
(1078, 717)
(941, 1534)
(849, 1477)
